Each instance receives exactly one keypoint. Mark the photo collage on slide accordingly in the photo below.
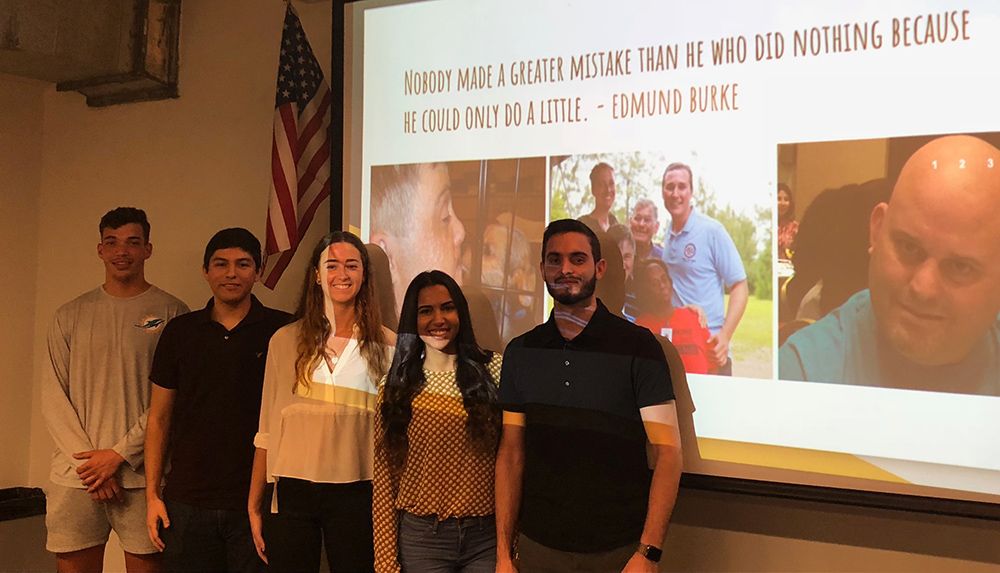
(482, 221)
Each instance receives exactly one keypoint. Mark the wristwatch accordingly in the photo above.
(650, 552)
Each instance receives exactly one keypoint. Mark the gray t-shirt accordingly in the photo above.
(96, 393)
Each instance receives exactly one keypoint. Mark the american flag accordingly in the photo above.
(300, 148)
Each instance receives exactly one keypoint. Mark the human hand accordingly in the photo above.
(506, 566)
(718, 347)
(108, 492)
(156, 513)
(100, 466)
(702, 320)
(257, 531)
(639, 564)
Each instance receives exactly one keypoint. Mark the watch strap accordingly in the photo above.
(650, 552)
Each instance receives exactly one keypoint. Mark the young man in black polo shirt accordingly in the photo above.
(207, 375)
(582, 394)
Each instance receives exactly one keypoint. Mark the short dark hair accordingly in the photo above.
(677, 165)
(644, 295)
(597, 168)
(121, 216)
(620, 233)
(235, 237)
(563, 226)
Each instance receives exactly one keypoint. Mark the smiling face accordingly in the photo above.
(677, 193)
(934, 273)
(340, 273)
(784, 203)
(437, 318)
(644, 224)
(602, 187)
(657, 289)
(124, 251)
(231, 274)
(569, 269)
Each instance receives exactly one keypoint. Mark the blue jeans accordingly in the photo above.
(201, 539)
(466, 544)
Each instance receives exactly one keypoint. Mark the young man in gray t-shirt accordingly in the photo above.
(95, 399)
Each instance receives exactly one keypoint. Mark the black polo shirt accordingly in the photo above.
(586, 475)
(218, 375)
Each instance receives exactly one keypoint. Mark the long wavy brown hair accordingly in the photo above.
(314, 327)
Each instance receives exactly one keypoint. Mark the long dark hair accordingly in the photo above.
(315, 328)
(790, 215)
(406, 376)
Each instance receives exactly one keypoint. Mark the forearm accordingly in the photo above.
(738, 297)
(509, 476)
(132, 444)
(258, 481)
(157, 430)
(62, 420)
(384, 516)
(662, 494)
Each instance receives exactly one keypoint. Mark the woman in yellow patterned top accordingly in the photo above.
(436, 430)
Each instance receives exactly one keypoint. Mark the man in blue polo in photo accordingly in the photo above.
(704, 264)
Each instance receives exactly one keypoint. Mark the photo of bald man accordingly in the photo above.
(929, 317)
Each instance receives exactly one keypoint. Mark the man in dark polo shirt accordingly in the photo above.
(207, 375)
(582, 394)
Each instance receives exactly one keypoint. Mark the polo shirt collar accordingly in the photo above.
(594, 329)
(687, 224)
(255, 314)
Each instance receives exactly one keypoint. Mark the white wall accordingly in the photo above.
(20, 171)
(196, 164)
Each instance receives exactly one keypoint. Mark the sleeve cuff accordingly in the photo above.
(133, 460)
(260, 440)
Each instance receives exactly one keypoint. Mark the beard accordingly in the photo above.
(563, 296)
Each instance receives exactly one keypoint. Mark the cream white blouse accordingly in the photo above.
(324, 433)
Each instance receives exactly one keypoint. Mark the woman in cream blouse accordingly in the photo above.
(316, 418)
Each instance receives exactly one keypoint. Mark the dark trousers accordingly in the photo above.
(537, 558)
(206, 540)
(458, 544)
(313, 515)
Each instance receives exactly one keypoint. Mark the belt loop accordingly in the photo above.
(436, 523)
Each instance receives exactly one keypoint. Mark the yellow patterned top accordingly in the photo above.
(443, 476)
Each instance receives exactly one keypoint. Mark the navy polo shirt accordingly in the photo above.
(586, 475)
(218, 375)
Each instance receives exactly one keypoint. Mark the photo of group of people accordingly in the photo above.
(894, 264)
(696, 267)
(683, 261)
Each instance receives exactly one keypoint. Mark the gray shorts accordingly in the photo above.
(76, 522)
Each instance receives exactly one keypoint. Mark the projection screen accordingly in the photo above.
(868, 356)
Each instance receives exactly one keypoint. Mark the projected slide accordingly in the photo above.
(803, 197)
